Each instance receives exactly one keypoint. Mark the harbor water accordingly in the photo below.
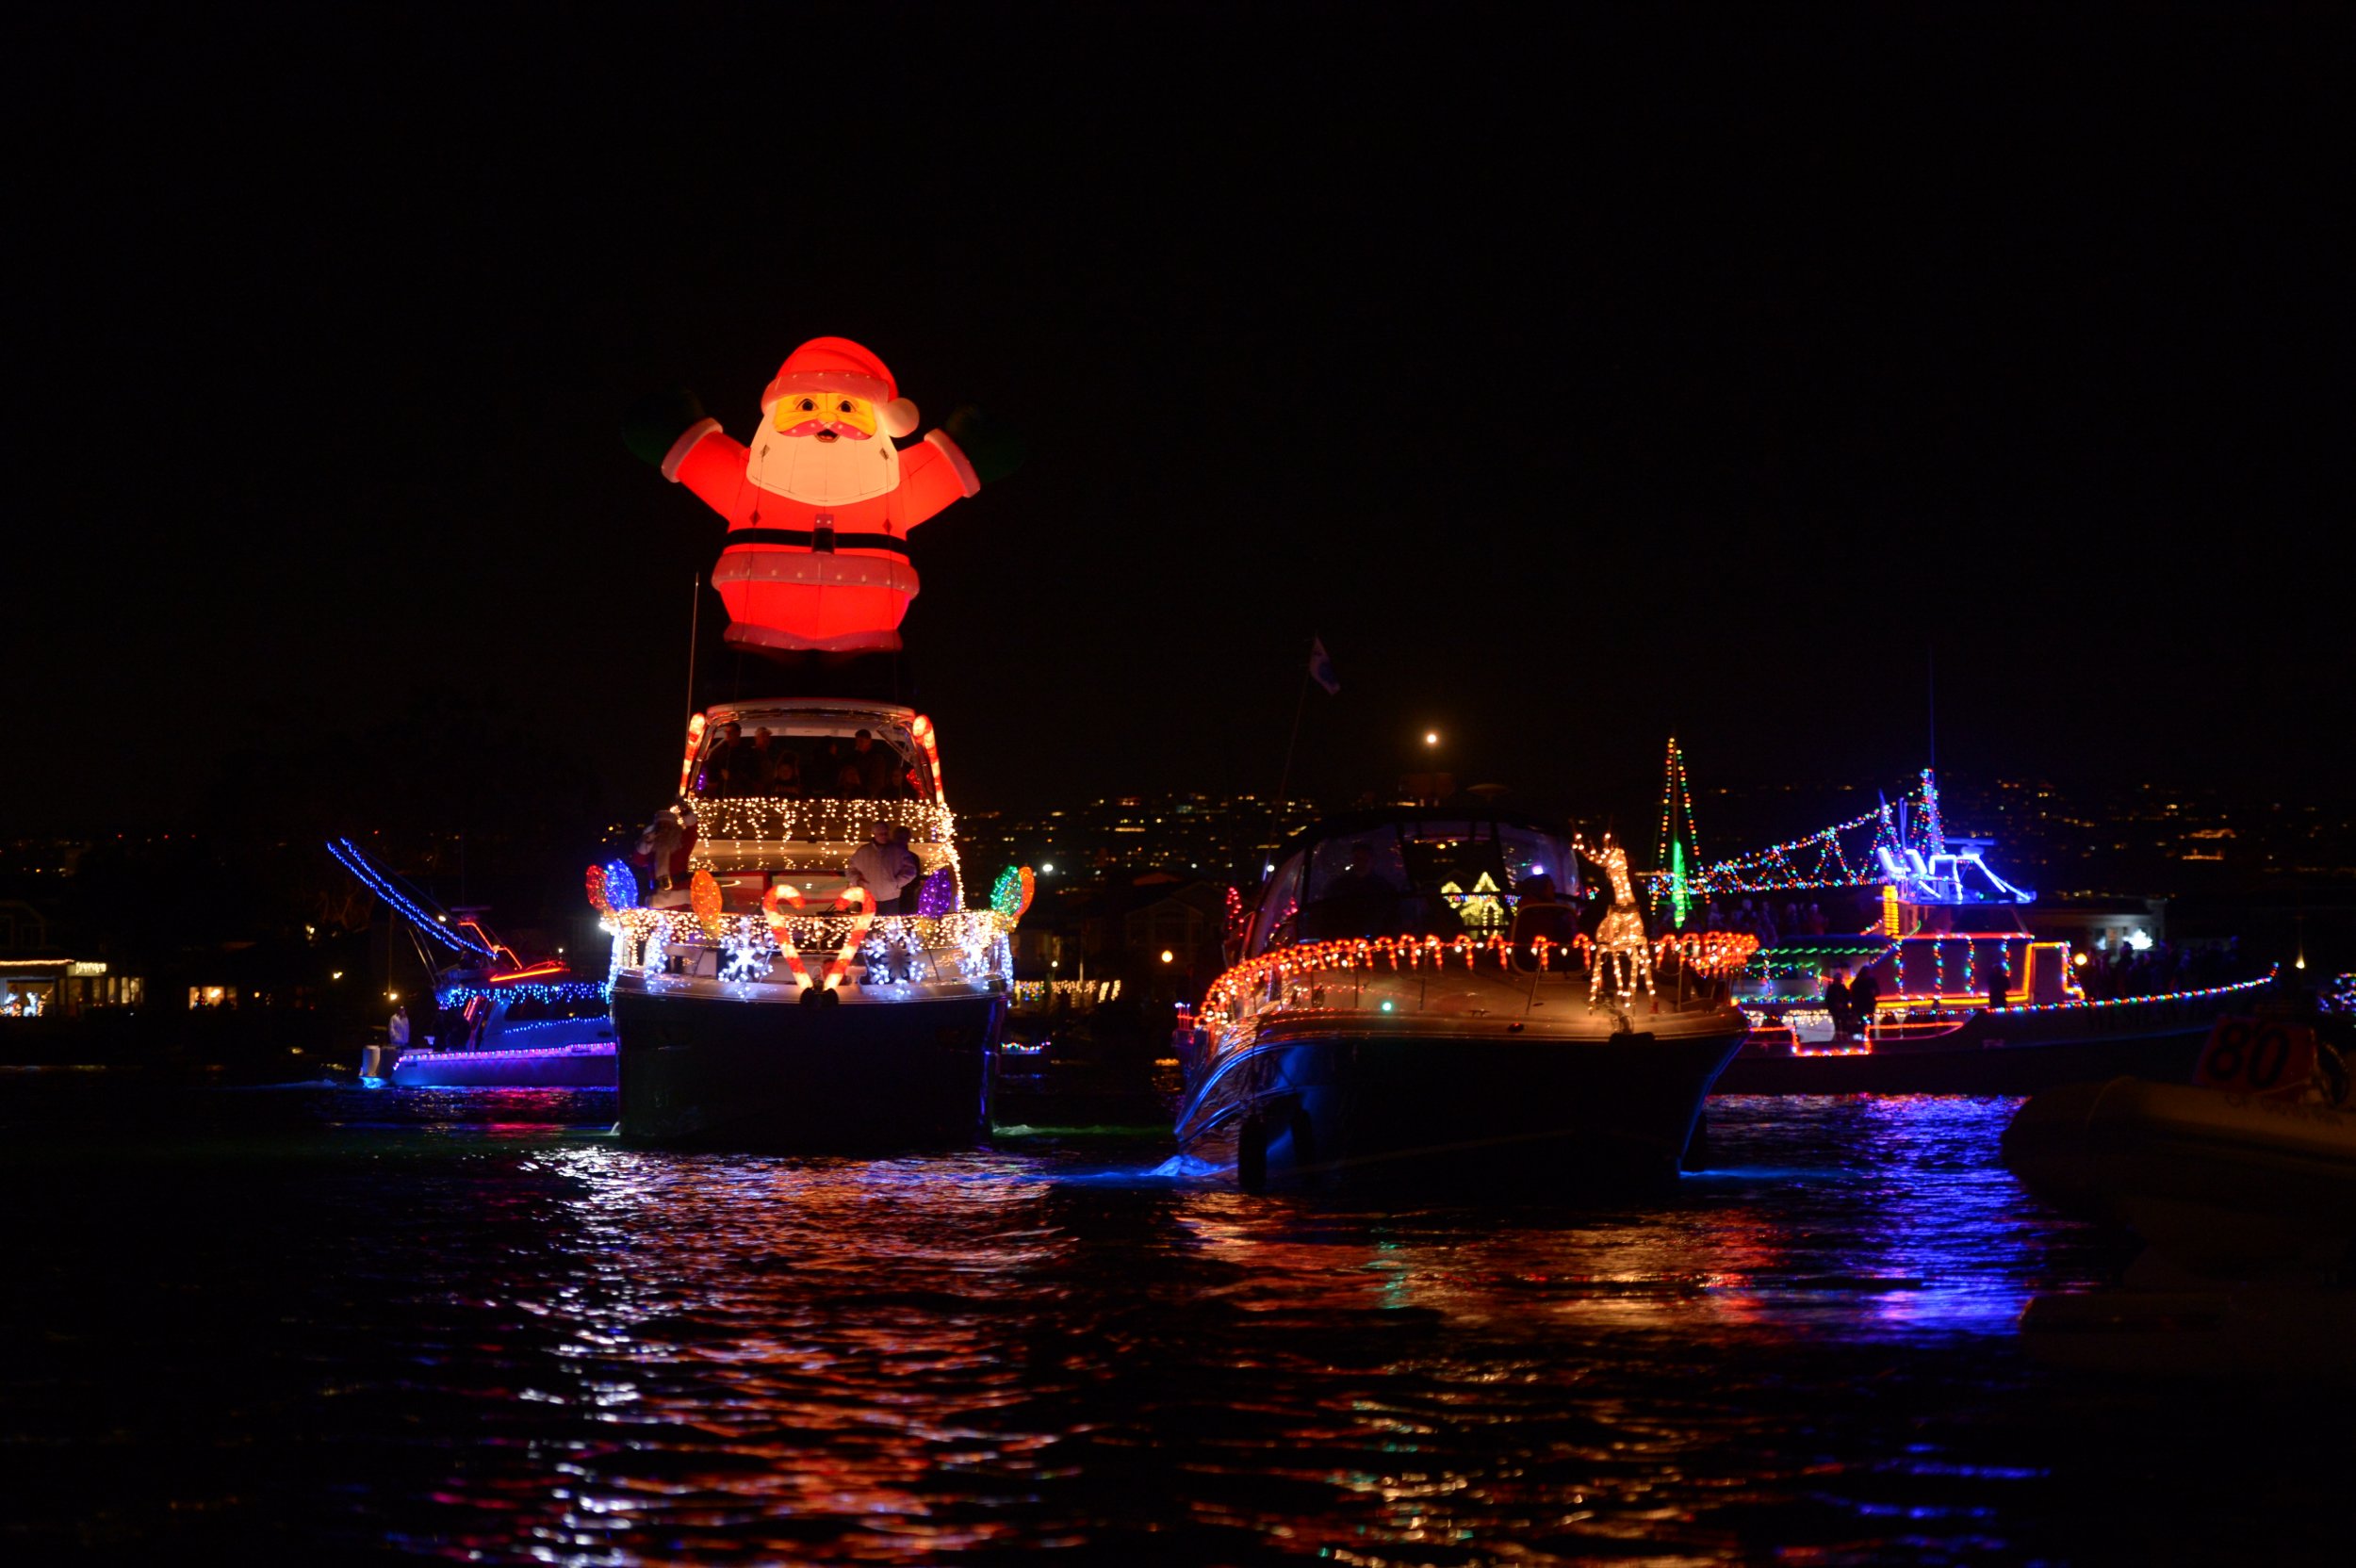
(330, 1326)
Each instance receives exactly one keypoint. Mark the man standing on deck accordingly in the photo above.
(883, 866)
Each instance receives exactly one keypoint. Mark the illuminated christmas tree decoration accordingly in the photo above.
(1677, 850)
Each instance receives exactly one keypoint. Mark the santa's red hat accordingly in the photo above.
(832, 364)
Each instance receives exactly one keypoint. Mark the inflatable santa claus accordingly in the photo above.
(821, 503)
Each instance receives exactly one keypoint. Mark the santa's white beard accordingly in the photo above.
(823, 473)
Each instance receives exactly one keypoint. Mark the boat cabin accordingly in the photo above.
(1433, 872)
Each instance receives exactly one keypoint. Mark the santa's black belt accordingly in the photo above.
(826, 541)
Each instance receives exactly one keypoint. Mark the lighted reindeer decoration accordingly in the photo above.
(1620, 943)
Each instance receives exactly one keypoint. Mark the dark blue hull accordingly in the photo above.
(1371, 1104)
(720, 1071)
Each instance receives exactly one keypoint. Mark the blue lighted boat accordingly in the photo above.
(1969, 1001)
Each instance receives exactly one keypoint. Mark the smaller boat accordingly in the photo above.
(1409, 994)
(527, 1026)
(1968, 1001)
(2224, 1182)
(508, 1023)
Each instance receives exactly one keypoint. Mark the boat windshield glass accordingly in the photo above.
(1428, 879)
(784, 754)
(1279, 903)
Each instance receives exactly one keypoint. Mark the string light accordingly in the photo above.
(787, 819)
(1677, 852)
(1620, 944)
(352, 859)
(1710, 953)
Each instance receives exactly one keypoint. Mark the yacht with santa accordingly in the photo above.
(807, 973)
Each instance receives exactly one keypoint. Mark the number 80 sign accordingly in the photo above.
(2256, 1056)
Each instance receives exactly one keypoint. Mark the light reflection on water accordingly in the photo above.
(543, 1346)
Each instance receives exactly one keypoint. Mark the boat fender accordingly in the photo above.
(1251, 1154)
(371, 1060)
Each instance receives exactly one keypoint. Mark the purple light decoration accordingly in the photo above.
(939, 895)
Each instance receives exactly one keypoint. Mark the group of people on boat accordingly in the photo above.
(1764, 922)
(2122, 972)
(862, 768)
(1852, 1001)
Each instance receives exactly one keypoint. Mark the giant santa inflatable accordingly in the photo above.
(821, 503)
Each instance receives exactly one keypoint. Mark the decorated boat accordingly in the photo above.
(799, 990)
(771, 1001)
(501, 1021)
(1963, 997)
(1411, 992)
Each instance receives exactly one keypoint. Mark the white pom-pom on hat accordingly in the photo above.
(897, 417)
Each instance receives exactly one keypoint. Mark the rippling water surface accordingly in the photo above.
(323, 1327)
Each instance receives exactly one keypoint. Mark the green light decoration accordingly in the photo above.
(1011, 894)
(1676, 849)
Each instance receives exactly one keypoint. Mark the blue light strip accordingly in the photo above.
(349, 854)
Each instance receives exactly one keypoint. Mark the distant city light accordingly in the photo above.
(337, 976)
(1432, 737)
(1047, 868)
(1167, 955)
(2139, 941)
(1386, 1006)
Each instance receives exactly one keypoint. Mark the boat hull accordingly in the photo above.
(721, 1071)
(2219, 1183)
(1974, 1058)
(1368, 1104)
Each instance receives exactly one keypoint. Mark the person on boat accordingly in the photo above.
(760, 762)
(1359, 879)
(879, 769)
(785, 779)
(884, 866)
(1837, 1004)
(720, 760)
(1864, 993)
(1999, 992)
(396, 1031)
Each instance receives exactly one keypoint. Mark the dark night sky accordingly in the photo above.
(1572, 383)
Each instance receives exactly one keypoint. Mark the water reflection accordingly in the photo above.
(552, 1348)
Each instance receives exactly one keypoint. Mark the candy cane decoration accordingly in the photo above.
(687, 763)
(791, 955)
(865, 907)
(922, 728)
(840, 965)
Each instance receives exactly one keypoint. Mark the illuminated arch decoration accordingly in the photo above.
(821, 504)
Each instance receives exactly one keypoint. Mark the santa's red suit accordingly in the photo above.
(821, 504)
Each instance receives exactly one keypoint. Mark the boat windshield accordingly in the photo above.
(788, 753)
(1419, 878)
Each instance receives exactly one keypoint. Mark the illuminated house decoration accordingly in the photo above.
(821, 503)
(1677, 852)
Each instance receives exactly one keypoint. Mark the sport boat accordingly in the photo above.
(505, 1021)
(531, 1026)
(1411, 992)
(1968, 999)
(2250, 1169)
(2243, 1185)
(770, 1001)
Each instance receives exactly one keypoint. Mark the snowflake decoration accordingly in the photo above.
(747, 950)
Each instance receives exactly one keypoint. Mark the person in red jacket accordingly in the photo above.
(820, 502)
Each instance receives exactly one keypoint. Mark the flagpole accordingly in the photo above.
(1276, 820)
